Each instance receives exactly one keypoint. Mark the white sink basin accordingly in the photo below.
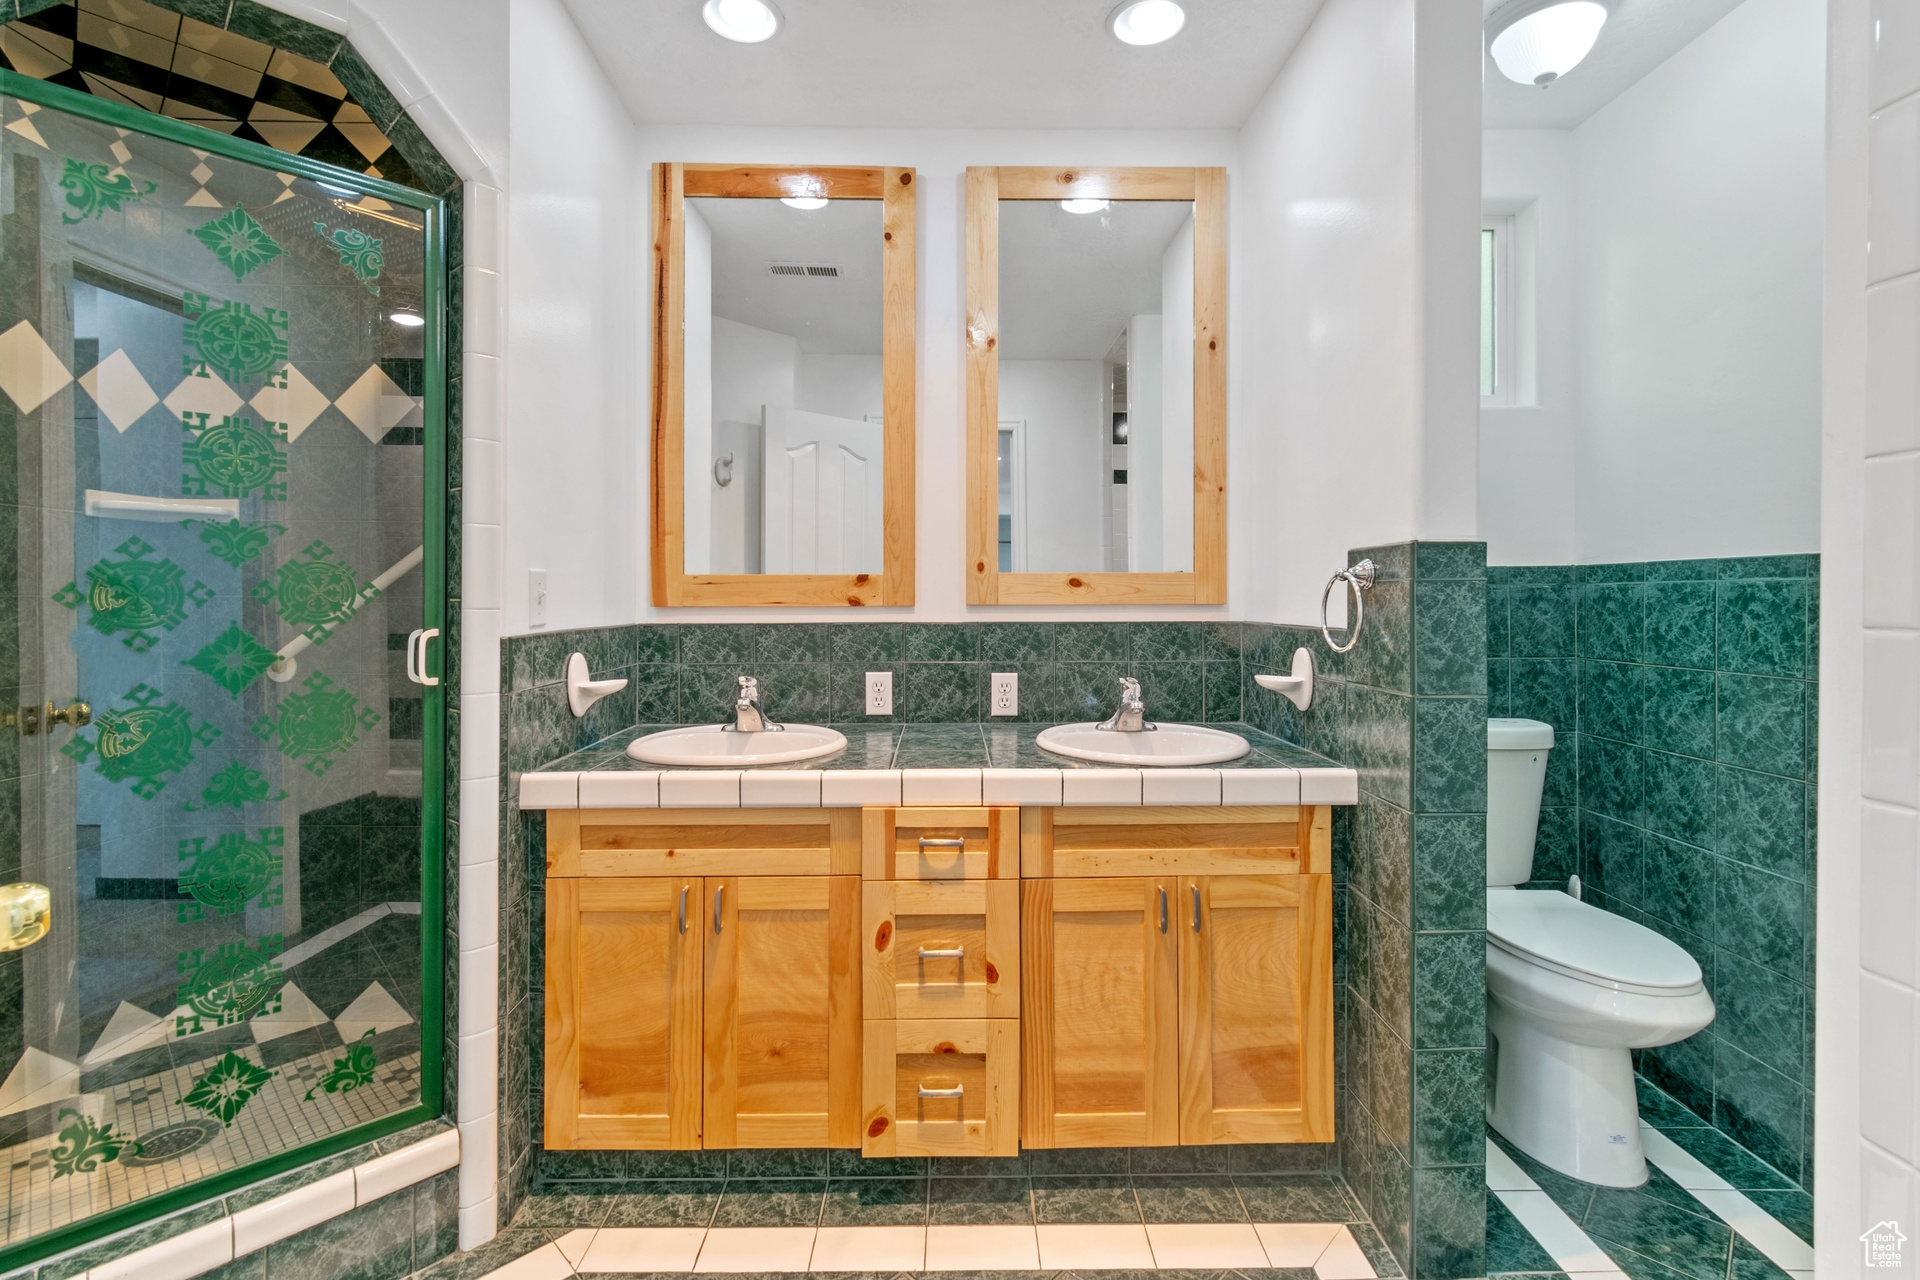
(720, 746)
(1168, 746)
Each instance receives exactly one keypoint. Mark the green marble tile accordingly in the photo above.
(1612, 620)
(1677, 884)
(1556, 849)
(1392, 986)
(1760, 916)
(1544, 689)
(1250, 1158)
(942, 642)
(1679, 711)
(1059, 1161)
(1801, 566)
(1510, 1246)
(1172, 690)
(1684, 1071)
(1084, 1198)
(1656, 1227)
(1679, 797)
(366, 87)
(777, 1162)
(980, 1201)
(1188, 1197)
(926, 746)
(1449, 1098)
(1164, 642)
(665, 1203)
(1794, 1209)
(1759, 1011)
(1020, 644)
(257, 22)
(1087, 690)
(432, 173)
(1384, 656)
(847, 1162)
(789, 642)
(1450, 1227)
(725, 642)
(580, 1166)
(869, 645)
(1450, 638)
(1613, 700)
(1450, 990)
(1612, 778)
(484, 1260)
(677, 1165)
(568, 1204)
(1499, 685)
(1681, 624)
(656, 644)
(941, 692)
(1450, 755)
(1631, 571)
(771, 1202)
(875, 1202)
(1763, 724)
(1541, 621)
(1499, 621)
(1757, 1107)
(1682, 570)
(1661, 1110)
(1450, 560)
(1223, 641)
(1169, 1160)
(1751, 1264)
(1222, 692)
(1763, 627)
(1090, 642)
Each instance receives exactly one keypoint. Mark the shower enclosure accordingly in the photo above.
(222, 491)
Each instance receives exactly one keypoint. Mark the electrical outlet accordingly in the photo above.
(1006, 694)
(536, 597)
(879, 693)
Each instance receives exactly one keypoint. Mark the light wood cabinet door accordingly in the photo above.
(1099, 1006)
(623, 987)
(1256, 1009)
(782, 1011)
(941, 1088)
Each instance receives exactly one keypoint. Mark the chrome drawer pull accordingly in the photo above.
(946, 953)
(716, 907)
(683, 908)
(943, 842)
(958, 1091)
(1196, 908)
(1163, 911)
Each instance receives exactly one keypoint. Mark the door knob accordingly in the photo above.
(26, 913)
(73, 715)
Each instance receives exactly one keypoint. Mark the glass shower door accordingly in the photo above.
(221, 457)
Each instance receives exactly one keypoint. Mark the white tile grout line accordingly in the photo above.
(1572, 1249)
(1755, 1225)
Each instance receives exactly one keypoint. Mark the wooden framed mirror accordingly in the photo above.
(783, 385)
(1096, 445)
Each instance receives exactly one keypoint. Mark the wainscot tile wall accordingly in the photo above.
(1684, 698)
(1405, 707)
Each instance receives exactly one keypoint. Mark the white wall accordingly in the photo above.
(845, 386)
(940, 158)
(1353, 411)
(1697, 294)
(1059, 400)
(1175, 477)
(1527, 450)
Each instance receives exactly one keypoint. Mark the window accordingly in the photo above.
(1501, 375)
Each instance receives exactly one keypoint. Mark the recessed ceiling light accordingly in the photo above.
(747, 21)
(804, 202)
(1147, 21)
(409, 319)
(1535, 42)
(1083, 206)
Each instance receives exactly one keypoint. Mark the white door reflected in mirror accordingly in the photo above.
(784, 375)
(1096, 386)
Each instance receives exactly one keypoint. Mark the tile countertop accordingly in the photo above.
(936, 764)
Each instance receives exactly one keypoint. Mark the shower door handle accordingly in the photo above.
(417, 656)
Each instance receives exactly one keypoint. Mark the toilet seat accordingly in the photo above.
(1569, 937)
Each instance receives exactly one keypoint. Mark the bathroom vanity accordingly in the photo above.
(943, 960)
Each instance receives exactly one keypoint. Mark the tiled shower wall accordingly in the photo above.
(1681, 791)
(1406, 708)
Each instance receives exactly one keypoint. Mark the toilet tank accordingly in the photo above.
(1516, 775)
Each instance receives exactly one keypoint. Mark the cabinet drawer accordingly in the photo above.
(940, 844)
(1220, 840)
(945, 1087)
(703, 842)
(941, 949)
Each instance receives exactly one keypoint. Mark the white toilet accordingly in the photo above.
(1570, 990)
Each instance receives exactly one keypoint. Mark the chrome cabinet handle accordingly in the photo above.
(1163, 911)
(958, 1091)
(683, 908)
(716, 907)
(1196, 908)
(947, 953)
(942, 842)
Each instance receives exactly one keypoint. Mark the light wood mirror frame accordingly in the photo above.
(894, 188)
(1207, 188)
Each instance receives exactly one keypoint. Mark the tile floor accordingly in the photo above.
(1306, 1225)
(1710, 1210)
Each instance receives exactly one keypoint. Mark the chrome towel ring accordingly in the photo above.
(1358, 578)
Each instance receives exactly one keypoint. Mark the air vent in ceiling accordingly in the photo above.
(804, 269)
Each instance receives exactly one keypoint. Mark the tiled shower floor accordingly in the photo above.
(1708, 1211)
(1256, 1225)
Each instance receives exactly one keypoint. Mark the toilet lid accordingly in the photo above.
(1585, 942)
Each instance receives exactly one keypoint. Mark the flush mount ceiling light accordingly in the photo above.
(1536, 42)
(407, 319)
(804, 202)
(1147, 21)
(1084, 206)
(747, 21)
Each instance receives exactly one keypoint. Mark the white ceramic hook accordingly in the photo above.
(1296, 688)
(582, 693)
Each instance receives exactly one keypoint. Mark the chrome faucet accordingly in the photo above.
(748, 716)
(1132, 715)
